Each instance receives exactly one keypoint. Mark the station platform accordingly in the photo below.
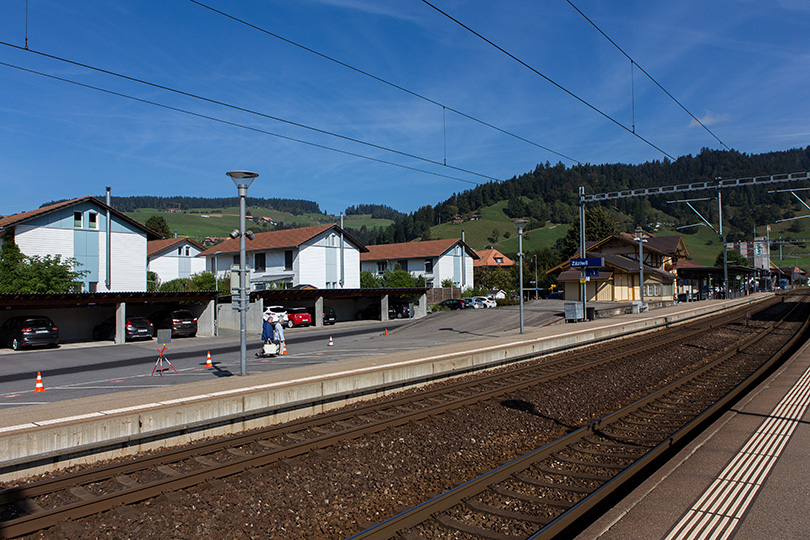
(747, 477)
(65, 433)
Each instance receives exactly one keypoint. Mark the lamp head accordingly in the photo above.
(520, 224)
(235, 234)
(242, 178)
(250, 235)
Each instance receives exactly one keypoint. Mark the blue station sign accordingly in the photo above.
(591, 262)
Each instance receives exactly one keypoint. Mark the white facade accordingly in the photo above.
(177, 261)
(455, 264)
(79, 231)
(318, 261)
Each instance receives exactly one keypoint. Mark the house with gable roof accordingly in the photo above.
(322, 256)
(436, 260)
(81, 229)
(619, 279)
(173, 258)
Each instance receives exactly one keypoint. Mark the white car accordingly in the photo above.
(486, 301)
(276, 311)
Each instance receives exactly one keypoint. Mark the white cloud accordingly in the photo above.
(710, 119)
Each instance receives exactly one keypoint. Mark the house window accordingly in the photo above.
(92, 220)
(288, 260)
(381, 267)
(77, 220)
(259, 262)
(188, 251)
(236, 259)
(428, 266)
(403, 264)
(499, 260)
(180, 252)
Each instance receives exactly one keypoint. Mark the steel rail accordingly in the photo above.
(433, 508)
(137, 492)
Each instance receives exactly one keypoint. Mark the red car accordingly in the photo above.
(298, 317)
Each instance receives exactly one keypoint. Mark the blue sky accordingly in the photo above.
(741, 66)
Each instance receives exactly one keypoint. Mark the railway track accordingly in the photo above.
(542, 494)
(39, 505)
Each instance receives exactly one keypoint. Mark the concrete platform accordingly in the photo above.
(746, 477)
(109, 426)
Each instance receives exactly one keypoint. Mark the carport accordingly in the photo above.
(346, 302)
(76, 314)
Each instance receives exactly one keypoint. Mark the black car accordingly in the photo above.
(555, 295)
(28, 331)
(401, 311)
(181, 322)
(372, 312)
(453, 303)
(136, 328)
(329, 315)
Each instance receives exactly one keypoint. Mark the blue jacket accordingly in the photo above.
(267, 331)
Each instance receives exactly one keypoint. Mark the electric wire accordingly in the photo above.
(664, 90)
(557, 85)
(243, 109)
(383, 81)
(230, 123)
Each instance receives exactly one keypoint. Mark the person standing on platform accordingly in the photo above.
(279, 328)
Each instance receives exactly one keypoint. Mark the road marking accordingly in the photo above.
(722, 506)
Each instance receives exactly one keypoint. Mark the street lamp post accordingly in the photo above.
(640, 238)
(242, 181)
(520, 224)
(535, 277)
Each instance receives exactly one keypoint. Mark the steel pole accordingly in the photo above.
(242, 285)
(520, 249)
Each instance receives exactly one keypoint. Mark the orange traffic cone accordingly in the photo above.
(330, 341)
(283, 347)
(386, 331)
(208, 361)
(39, 387)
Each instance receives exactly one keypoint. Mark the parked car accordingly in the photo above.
(555, 295)
(136, 328)
(181, 322)
(298, 316)
(401, 311)
(486, 301)
(453, 303)
(373, 312)
(28, 331)
(472, 303)
(277, 311)
(329, 315)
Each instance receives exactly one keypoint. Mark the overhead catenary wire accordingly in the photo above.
(633, 62)
(230, 123)
(548, 79)
(383, 81)
(243, 109)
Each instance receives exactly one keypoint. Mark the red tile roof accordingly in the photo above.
(153, 247)
(488, 258)
(14, 219)
(413, 250)
(284, 239)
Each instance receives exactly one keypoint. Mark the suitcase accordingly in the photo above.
(270, 349)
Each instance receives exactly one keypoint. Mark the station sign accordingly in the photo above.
(592, 272)
(595, 262)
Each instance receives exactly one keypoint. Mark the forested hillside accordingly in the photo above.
(131, 204)
(549, 194)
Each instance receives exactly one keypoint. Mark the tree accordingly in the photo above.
(733, 258)
(152, 281)
(598, 225)
(159, 225)
(369, 280)
(401, 278)
(49, 274)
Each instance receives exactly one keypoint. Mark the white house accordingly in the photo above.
(174, 258)
(436, 260)
(323, 256)
(81, 229)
